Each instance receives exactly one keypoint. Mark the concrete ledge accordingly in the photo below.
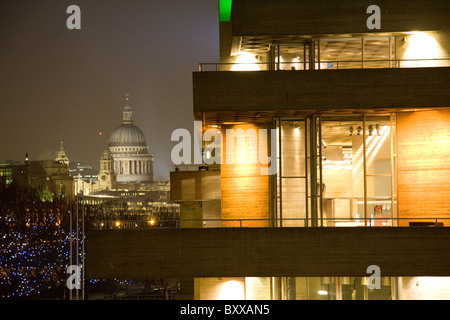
(286, 17)
(340, 90)
(140, 254)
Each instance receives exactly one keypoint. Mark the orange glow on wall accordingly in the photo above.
(419, 46)
(423, 166)
(245, 62)
(245, 191)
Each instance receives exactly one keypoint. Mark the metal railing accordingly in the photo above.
(329, 65)
(271, 223)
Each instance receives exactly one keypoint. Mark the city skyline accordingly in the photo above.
(70, 85)
(225, 150)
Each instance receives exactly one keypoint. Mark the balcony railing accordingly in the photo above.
(271, 223)
(326, 65)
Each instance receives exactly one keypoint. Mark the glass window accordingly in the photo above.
(291, 192)
(355, 177)
(342, 171)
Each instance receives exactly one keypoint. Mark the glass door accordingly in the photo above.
(358, 170)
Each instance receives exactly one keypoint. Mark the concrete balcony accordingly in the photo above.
(295, 92)
(260, 252)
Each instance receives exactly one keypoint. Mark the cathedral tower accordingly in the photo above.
(106, 175)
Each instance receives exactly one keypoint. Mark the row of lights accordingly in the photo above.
(370, 128)
(151, 222)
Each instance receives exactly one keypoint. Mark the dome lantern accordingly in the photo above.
(127, 112)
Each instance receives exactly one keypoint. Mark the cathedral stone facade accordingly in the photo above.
(126, 159)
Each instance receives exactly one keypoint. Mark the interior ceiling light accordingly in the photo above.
(421, 47)
(245, 62)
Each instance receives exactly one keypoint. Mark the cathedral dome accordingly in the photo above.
(125, 159)
(127, 134)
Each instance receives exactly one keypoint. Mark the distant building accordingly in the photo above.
(126, 159)
(62, 157)
(84, 171)
(51, 177)
(125, 162)
(84, 175)
(125, 177)
(6, 175)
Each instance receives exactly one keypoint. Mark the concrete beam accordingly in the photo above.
(322, 90)
(261, 252)
(323, 17)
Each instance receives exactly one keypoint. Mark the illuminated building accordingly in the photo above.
(125, 162)
(126, 175)
(62, 157)
(84, 177)
(51, 177)
(362, 142)
(6, 175)
(107, 176)
(129, 153)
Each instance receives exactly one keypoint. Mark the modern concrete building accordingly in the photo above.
(334, 128)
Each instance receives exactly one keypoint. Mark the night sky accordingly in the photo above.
(67, 85)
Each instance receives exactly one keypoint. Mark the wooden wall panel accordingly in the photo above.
(191, 214)
(211, 212)
(194, 185)
(424, 165)
(245, 191)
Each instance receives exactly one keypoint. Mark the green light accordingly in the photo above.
(225, 10)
